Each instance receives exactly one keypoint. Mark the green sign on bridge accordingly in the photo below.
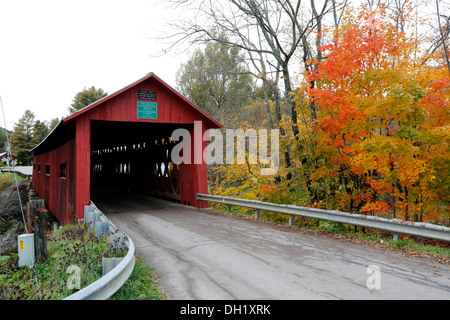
(147, 110)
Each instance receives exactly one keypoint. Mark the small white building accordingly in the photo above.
(9, 160)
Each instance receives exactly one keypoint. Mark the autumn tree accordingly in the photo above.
(443, 32)
(86, 97)
(366, 130)
(381, 132)
(273, 34)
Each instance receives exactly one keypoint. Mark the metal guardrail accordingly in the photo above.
(24, 172)
(107, 285)
(395, 226)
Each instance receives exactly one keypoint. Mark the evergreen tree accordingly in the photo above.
(26, 135)
(86, 97)
(53, 123)
(40, 131)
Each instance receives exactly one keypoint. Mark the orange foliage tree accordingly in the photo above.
(380, 143)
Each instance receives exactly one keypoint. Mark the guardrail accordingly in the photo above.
(395, 226)
(107, 285)
(24, 172)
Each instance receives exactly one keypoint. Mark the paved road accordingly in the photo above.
(25, 170)
(199, 255)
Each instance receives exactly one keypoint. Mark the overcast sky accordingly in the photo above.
(52, 49)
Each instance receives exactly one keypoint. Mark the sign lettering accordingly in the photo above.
(147, 95)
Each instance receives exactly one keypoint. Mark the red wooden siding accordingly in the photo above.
(56, 190)
(66, 196)
(123, 107)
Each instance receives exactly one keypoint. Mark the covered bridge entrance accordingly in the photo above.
(122, 142)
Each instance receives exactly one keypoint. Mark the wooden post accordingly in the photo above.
(37, 215)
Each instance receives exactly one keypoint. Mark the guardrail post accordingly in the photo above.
(291, 220)
(116, 241)
(101, 228)
(396, 236)
(88, 209)
(228, 207)
(91, 218)
(115, 270)
(257, 214)
(109, 263)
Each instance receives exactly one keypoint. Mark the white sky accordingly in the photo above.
(52, 49)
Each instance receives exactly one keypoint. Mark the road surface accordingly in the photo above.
(24, 170)
(199, 255)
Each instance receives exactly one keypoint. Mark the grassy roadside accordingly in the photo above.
(141, 285)
(71, 246)
(7, 179)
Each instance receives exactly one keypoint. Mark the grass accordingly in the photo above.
(140, 285)
(8, 225)
(71, 246)
(7, 179)
(408, 244)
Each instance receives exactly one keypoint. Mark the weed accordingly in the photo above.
(71, 245)
(140, 285)
(7, 179)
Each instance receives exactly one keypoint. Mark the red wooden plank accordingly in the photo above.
(50, 187)
(151, 81)
(67, 197)
(82, 165)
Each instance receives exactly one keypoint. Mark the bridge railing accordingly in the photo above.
(113, 280)
(396, 226)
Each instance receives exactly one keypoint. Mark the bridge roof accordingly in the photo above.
(65, 130)
(212, 123)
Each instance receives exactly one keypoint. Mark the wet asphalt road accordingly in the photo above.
(199, 255)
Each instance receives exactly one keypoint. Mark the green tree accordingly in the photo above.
(2, 140)
(53, 123)
(216, 80)
(86, 97)
(40, 131)
(26, 134)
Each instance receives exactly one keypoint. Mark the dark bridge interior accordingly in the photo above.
(133, 157)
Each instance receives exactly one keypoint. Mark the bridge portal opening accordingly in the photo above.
(133, 157)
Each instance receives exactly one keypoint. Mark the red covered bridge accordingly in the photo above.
(121, 141)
